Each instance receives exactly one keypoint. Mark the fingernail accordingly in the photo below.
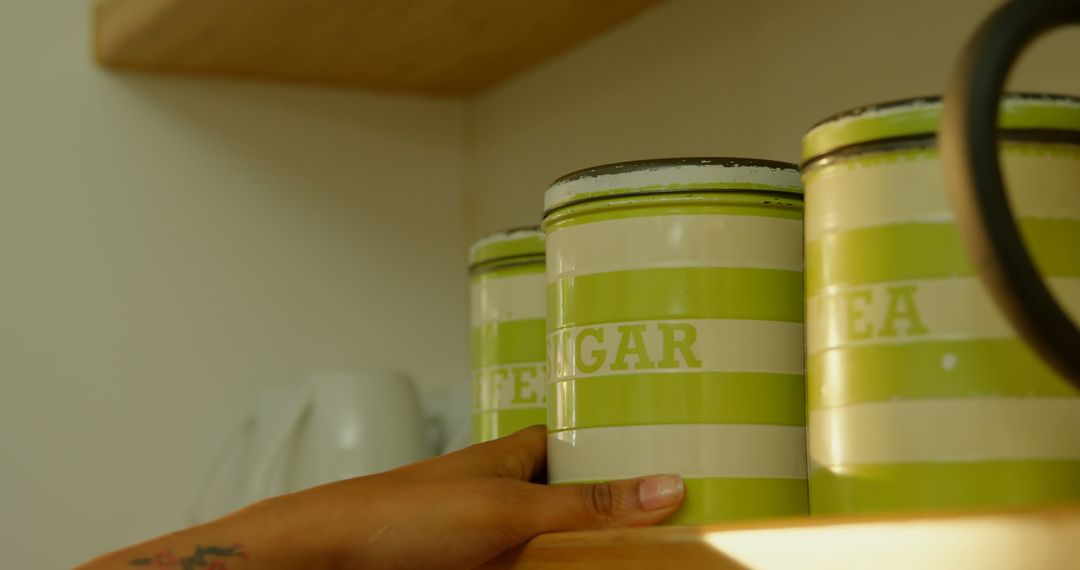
(660, 491)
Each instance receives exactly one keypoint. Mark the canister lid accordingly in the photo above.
(919, 117)
(665, 175)
(513, 243)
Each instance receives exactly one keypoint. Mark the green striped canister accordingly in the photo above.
(507, 317)
(920, 395)
(675, 331)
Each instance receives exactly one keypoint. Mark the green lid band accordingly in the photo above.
(920, 117)
(516, 243)
(733, 203)
(672, 176)
(507, 266)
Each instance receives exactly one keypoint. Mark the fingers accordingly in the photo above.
(520, 455)
(626, 503)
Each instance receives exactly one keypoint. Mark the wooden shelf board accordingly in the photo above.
(1029, 539)
(450, 47)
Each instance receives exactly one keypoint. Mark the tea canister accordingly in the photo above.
(920, 395)
(507, 316)
(675, 331)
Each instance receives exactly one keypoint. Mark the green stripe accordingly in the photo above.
(676, 293)
(508, 342)
(815, 170)
(924, 251)
(876, 373)
(1054, 244)
(522, 243)
(715, 500)
(704, 204)
(812, 172)
(484, 274)
(495, 424)
(835, 134)
(923, 120)
(719, 500)
(864, 489)
(677, 398)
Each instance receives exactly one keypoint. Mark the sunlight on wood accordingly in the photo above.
(1035, 539)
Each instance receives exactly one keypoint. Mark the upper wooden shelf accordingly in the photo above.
(1047, 539)
(451, 47)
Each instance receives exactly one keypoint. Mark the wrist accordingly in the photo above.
(282, 533)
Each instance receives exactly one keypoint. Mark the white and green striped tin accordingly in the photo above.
(920, 395)
(507, 316)
(675, 331)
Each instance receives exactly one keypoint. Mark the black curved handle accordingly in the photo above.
(969, 150)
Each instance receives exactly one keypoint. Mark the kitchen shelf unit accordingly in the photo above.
(444, 47)
(1036, 539)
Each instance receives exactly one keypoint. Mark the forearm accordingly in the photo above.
(455, 511)
(273, 534)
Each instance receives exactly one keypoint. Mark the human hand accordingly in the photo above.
(464, 508)
(454, 511)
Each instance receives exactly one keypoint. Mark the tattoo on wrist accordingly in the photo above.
(204, 558)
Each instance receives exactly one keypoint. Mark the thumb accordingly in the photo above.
(630, 502)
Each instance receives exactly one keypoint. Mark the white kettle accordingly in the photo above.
(331, 426)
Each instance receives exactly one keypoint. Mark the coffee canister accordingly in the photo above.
(675, 331)
(920, 395)
(507, 316)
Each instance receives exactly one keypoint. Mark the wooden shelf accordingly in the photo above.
(1033, 540)
(433, 46)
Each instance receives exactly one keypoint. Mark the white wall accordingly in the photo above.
(168, 245)
(716, 78)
